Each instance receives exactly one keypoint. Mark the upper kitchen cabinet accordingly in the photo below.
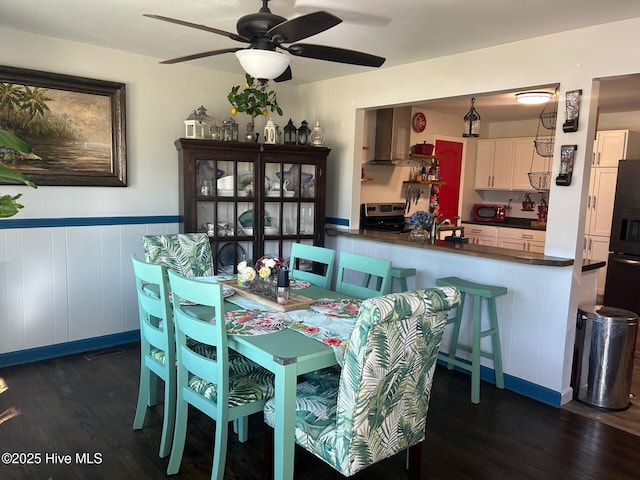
(613, 145)
(505, 163)
(494, 164)
(526, 159)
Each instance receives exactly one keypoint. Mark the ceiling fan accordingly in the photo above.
(266, 32)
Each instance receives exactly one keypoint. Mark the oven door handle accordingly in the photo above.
(625, 261)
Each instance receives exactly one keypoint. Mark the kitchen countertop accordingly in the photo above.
(588, 265)
(495, 253)
(509, 222)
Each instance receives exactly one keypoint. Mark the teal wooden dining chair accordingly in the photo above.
(157, 348)
(353, 269)
(189, 254)
(322, 259)
(222, 390)
(376, 407)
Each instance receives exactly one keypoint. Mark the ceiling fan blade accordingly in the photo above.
(284, 76)
(333, 54)
(302, 27)
(194, 56)
(233, 36)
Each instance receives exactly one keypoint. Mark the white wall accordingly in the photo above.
(59, 284)
(159, 98)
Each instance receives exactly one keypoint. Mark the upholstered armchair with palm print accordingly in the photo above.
(189, 254)
(377, 406)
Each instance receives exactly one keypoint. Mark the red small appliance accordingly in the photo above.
(489, 212)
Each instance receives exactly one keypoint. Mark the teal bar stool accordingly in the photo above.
(478, 291)
(396, 273)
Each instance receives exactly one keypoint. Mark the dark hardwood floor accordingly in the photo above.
(85, 404)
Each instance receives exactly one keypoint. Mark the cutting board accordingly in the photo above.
(296, 302)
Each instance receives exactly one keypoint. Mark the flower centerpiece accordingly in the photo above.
(421, 222)
(266, 281)
(246, 274)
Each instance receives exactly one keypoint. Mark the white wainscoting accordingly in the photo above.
(62, 284)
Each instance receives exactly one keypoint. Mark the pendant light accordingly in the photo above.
(472, 121)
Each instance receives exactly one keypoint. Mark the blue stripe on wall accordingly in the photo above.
(94, 221)
(68, 348)
(518, 385)
(337, 221)
(86, 221)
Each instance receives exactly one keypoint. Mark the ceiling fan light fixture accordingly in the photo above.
(263, 64)
(533, 98)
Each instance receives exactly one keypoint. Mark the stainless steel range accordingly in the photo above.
(382, 216)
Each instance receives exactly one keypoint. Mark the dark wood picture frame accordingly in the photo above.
(106, 164)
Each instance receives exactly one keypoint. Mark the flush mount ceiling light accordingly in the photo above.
(533, 98)
(263, 64)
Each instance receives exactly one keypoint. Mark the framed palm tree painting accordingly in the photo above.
(61, 129)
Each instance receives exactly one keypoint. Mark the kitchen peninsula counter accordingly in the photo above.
(482, 251)
(535, 316)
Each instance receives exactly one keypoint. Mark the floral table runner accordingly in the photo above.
(329, 321)
(298, 284)
(255, 322)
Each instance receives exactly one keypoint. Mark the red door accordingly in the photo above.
(450, 161)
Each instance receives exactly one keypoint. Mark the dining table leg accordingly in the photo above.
(285, 420)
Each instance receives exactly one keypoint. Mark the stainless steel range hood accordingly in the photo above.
(393, 130)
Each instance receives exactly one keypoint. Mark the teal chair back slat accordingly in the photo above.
(189, 254)
(157, 346)
(207, 382)
(212, 332)
(322, 258)
(354, 268)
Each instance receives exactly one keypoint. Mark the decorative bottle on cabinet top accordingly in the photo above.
(317, 137)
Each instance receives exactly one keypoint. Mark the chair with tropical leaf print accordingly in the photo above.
(220, 388)
(377, 406)
(189, 254)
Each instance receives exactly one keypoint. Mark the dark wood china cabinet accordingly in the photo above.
(251, 199)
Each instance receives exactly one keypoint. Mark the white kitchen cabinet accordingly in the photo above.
(521, 239)
(611, 146)
(526, 159)
(481, 235)
(602, 190)
(494, 164)
(596, 247)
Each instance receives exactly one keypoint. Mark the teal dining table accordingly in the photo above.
(287, 353)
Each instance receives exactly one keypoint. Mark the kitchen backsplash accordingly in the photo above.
(503, 197)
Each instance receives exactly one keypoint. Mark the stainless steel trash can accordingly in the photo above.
(604, 350)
